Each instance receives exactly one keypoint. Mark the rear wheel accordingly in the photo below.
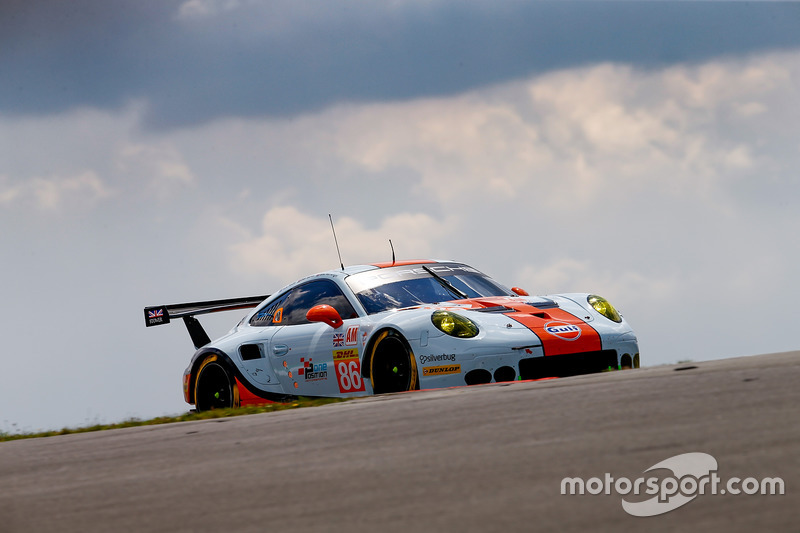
(214, 388)
(392, 366)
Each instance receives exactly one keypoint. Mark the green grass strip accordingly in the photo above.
(187, 417)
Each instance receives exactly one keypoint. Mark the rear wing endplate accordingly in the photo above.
(163, 314)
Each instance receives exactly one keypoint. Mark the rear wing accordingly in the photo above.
(163, 314)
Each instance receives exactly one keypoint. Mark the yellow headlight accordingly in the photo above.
(454, 324)
(602, 306)
(447, 324)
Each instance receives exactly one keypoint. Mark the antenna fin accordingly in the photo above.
(392, 245)
(336, 241)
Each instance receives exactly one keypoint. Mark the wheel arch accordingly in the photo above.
(401, 325)
(197, 361)
(375, 338)
(243, 388)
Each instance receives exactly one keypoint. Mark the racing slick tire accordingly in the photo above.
(392, 365)
(214, 385)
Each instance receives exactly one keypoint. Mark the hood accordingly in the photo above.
(560, 331)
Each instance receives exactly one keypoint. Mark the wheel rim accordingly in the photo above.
(391, 368)
(214, 389)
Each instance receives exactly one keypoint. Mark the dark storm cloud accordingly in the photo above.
(286, 57)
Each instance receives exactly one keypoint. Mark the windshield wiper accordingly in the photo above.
(446, 284)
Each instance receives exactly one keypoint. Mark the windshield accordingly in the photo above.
(404, 286)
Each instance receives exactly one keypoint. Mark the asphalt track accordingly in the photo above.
(486, 458)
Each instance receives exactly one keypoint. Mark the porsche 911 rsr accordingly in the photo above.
(394, 327)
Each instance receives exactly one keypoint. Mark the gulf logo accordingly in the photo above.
(562, 330)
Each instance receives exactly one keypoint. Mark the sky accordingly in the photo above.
(156, 152)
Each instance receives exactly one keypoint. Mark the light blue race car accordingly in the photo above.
(395, 327)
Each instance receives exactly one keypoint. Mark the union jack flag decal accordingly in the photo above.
(153, 316)
(338, 339)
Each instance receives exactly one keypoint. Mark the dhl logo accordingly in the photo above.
(342, 355)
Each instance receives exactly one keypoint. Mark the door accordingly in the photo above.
(303, 360)
(303, 352)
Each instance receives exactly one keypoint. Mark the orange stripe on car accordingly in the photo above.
(560, 332)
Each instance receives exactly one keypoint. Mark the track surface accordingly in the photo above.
(488, 458)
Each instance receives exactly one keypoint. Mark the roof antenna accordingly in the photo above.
(336, 241)
(392, 245)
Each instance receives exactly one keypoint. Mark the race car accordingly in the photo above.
(394, 327)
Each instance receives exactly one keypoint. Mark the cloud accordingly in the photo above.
(196, 61)
(56, 192)
(577, 137)
(159, 165)
(87, 157)
(712, 136)
(291, 243)
(8, 193)
(621, 284)
(206, 8)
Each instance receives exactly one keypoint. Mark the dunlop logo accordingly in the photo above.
(441, 370)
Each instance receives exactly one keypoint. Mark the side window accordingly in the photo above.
(304, 297)
(271, 314)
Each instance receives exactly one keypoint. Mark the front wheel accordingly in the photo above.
(214, 388)
(392, 366)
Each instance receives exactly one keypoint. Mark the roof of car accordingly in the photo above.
(388, 264)
(357, 269)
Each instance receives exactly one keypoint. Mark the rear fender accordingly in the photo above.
(242, 386)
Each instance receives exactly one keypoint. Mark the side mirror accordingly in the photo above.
(325, 313)
(519, 292)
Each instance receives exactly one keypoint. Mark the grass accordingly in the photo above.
(186, 417)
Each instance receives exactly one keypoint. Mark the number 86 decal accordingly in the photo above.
(348, 371)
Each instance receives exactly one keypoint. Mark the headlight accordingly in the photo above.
(602, 306)
(454, 324)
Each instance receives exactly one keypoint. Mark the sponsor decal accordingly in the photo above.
(352, 336)
(343, 355)
(338, 340)
(347, 367)
(312, 372)
(441, 370)
(560, 327)
(425, 359)
(156, 316)
(562, 330)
